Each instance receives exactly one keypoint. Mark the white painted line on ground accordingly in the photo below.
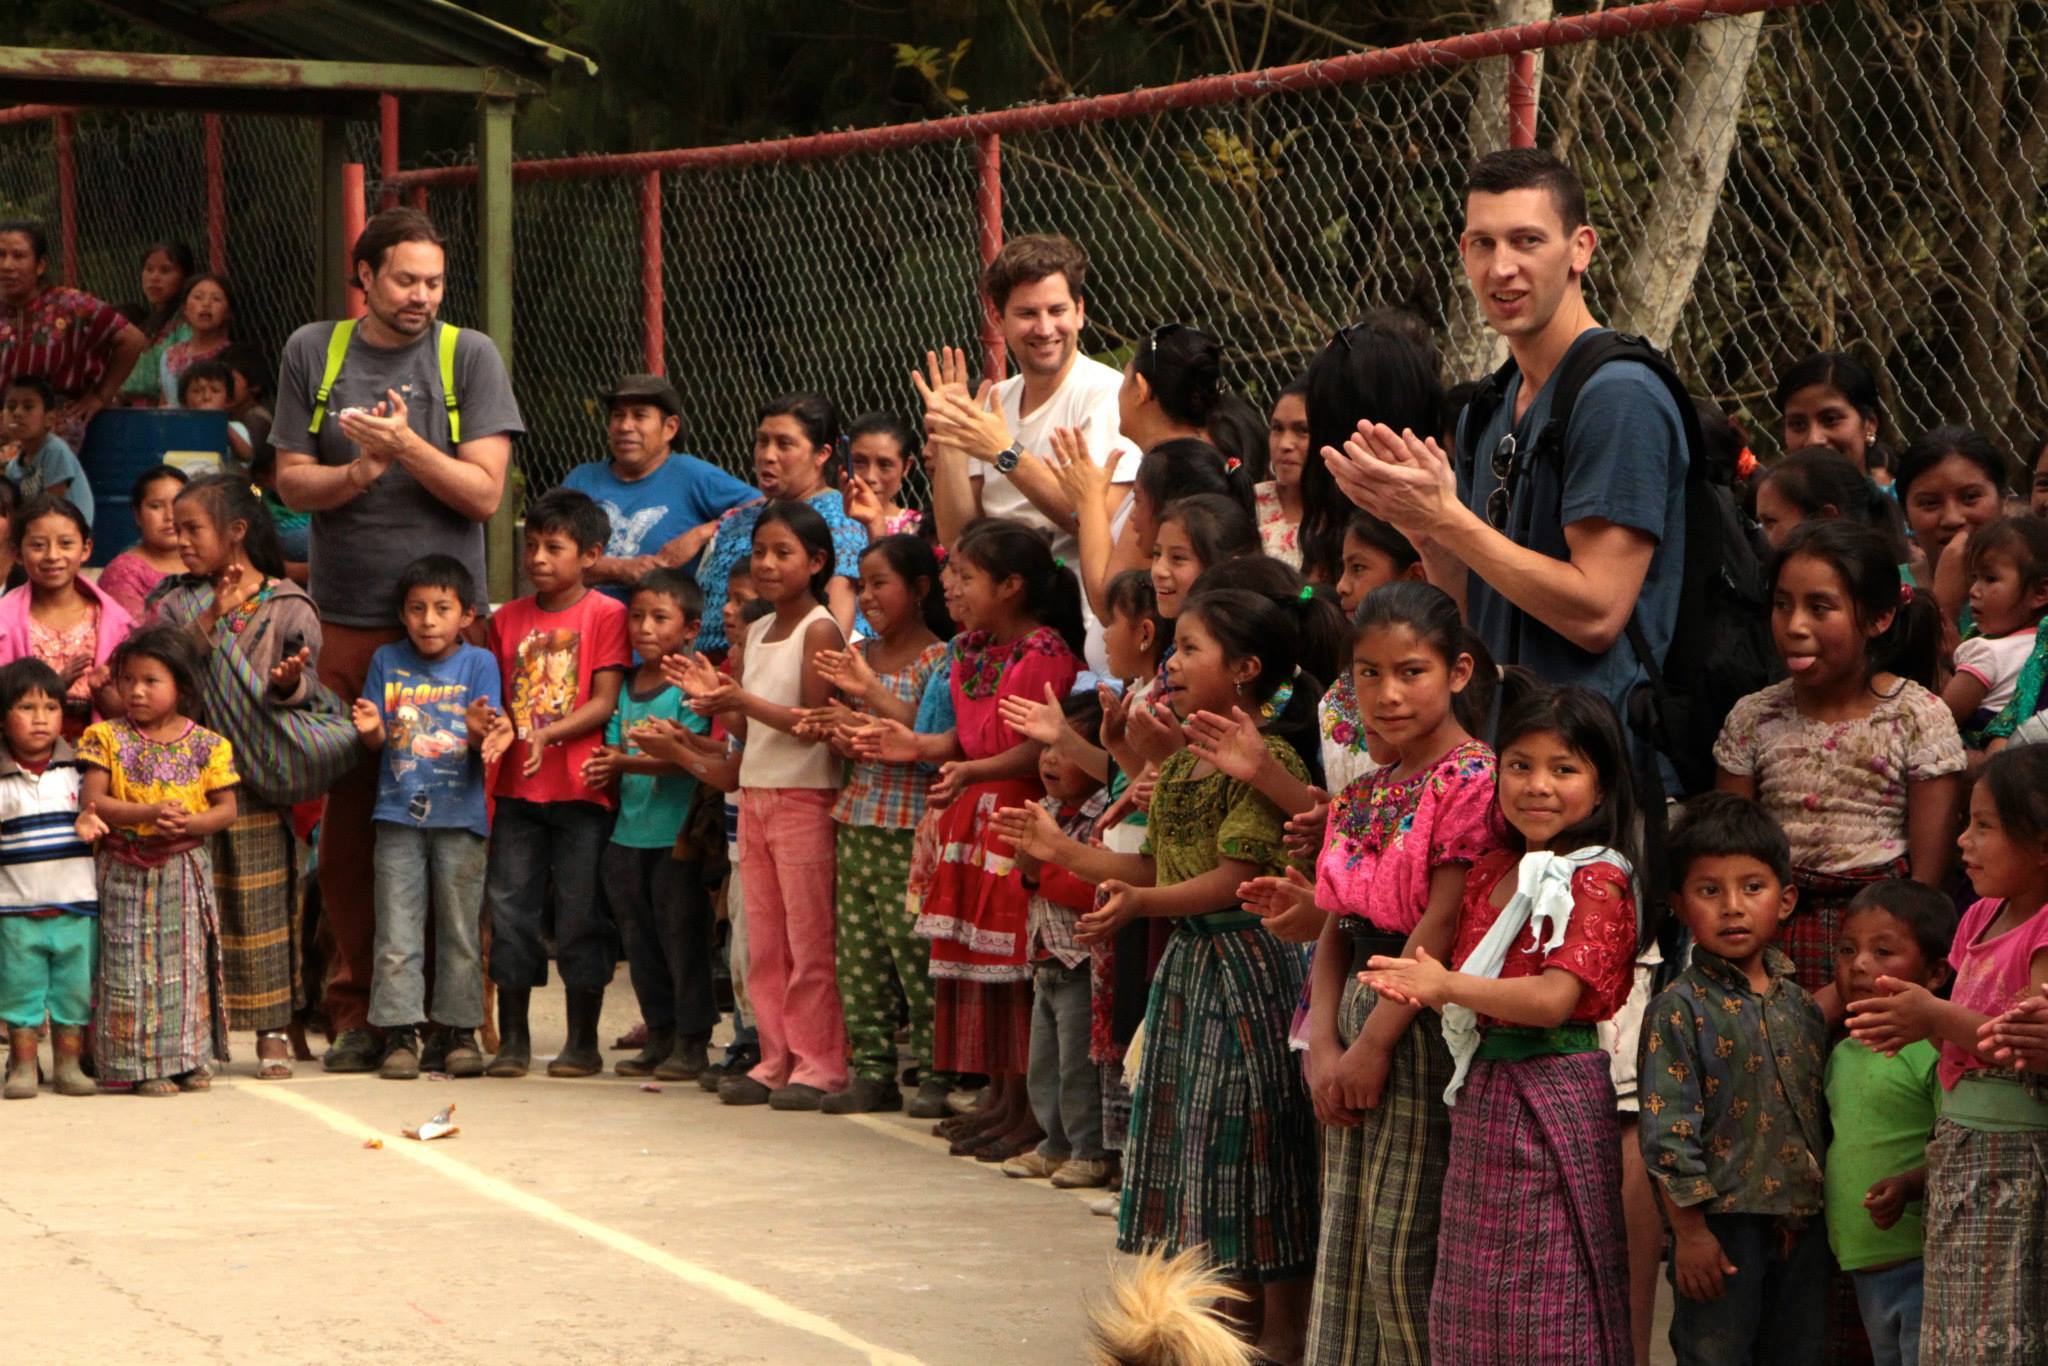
(754, 1301)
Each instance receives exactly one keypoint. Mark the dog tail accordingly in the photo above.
(1158, 1311)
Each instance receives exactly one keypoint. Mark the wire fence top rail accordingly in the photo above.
(1202, 92)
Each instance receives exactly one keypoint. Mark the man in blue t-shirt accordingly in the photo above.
(1550, 572)
(664, 506)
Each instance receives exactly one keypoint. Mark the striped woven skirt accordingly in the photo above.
(255, 880)
(1537, 1272)
(1383, 1182)
(1221, 1150)
(974, 910)
(1987, 1248)
(157, 1008)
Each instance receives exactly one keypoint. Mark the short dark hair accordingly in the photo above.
(26, 676)
(37, 385)
(1083, 711)
(575, 513)
(1723, 825)
(171, 646)
(245, 360)
(214, 370)
(439, 571)
(51, 505)
(1027, 260)
(1528, 168)
(1928, 913)
(674, 583)
(385, 231)
(38, 236)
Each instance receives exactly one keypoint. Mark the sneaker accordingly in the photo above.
(863, 1097)
(355, 1051)
(795, 1096)
(1107, 1206)
(930, 1101)
(1032, 1166)
(741, 1089)
(460, 1057)
(401, 1055)
(1079, 1174)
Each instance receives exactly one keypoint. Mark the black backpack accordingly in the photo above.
(1721, 648)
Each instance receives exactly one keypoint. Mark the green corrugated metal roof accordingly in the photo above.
(422, 32)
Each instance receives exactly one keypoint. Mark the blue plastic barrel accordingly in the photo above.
(123, 442)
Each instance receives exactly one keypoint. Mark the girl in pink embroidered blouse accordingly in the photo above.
(1391, 876)
(60, 617)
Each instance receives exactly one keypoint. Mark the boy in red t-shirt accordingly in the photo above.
(564, 655)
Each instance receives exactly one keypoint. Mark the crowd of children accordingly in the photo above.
(1357, 989)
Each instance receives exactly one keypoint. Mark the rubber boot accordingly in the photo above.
(23, 1074)
(579, 1056)
(660, 1042)
(515, 1043)
(70, 1078)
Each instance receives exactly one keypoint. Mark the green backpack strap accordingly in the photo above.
(337, 348)
(444, 342)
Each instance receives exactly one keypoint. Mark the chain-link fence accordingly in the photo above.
(1769, 177)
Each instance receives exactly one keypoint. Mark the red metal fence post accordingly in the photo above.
(67, 202)
(1522, 100)
(988, 209)
(653, 347)
(387, 151)
(352, 219)
(216, 197)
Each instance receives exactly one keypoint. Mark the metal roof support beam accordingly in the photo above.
(494, 299)
(105, 73)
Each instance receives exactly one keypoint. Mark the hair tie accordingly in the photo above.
(1905, 592)
(1745, 463)
(1058, 563)
(1307, 592)
(1230, 466)
(939, 553)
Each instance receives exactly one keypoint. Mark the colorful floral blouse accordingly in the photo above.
(1731, 1090)
(1839, 787)
(149, 772)
(1599, 945)
(63, 336)
(902, 522)
(179, 357)
(984, 673)
(1387, 835)
(1281, 538)
(1345, 759)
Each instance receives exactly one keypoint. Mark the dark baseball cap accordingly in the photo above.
(653, 389)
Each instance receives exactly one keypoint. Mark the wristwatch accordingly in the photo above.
(1007, 458)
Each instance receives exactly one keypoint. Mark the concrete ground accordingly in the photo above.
(569, 1221)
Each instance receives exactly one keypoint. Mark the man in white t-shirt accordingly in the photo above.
(987, 460)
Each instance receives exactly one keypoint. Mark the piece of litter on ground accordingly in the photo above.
(650, 1086)
(373, 1143)
(440, 1126)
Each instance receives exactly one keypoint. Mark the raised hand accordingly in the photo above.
(863, 504)
(848, 671)
(378, 432)
(1086, 482)
(1287, 905)
(885, 739)
(1031, 829)
(1397, 476)
(1900, 1014)
(1417, 981)
(693, 673)
(1230, 744)
(290, 670)
(369, 721)
(1040, 721)
(1154, 732)
(1116, 708)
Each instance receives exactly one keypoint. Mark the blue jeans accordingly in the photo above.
(664, 917)
(534, 844)
(428, 876)
(1772, 1312)
(1890, 1303)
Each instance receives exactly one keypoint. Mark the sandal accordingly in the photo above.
(156, 1086)
(198, 1079)
(273, 1067)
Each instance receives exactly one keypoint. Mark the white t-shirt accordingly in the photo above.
(1996, 663)
(1086, 399)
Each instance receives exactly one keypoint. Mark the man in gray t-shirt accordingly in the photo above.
(385, 486)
